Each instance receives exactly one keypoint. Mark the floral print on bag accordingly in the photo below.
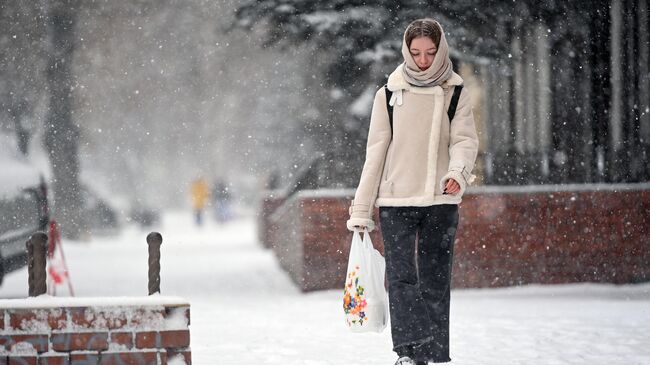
(354, 301)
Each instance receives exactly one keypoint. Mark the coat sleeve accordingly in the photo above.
(379, 137)
(463, 145)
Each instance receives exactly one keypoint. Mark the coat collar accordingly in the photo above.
(396, 81)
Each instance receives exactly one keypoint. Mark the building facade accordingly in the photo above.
(569, 101)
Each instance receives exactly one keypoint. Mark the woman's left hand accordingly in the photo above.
(452, 187)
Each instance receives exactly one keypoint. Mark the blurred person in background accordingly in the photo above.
(200, 192)
(221, 198)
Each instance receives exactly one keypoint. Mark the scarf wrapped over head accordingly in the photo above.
(441, 68)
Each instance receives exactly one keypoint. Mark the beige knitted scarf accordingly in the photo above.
(439, 71)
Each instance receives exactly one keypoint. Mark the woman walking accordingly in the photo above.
(419, 157)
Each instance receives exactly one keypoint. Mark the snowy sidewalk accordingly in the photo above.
(245, 310)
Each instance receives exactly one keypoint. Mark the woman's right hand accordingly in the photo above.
(451, 187)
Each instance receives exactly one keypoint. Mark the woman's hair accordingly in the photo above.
(425, 27)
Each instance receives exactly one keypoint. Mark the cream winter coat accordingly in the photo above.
(425, 150)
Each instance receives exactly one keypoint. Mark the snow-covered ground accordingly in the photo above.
(245, 309)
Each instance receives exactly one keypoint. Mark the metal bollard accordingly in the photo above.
(154, 239)
(36, 261)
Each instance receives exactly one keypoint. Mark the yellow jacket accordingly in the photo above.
(200, 193)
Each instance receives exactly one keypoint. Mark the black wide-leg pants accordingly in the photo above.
(418, 246)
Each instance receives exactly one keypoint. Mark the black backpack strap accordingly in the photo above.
(451, 112)
(389, 108)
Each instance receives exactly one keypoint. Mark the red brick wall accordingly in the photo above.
(553, 237)
(147, 335)
(506, 237)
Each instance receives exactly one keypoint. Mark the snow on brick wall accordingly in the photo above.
(506, 236)
(150, 331)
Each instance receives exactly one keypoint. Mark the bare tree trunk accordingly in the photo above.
(585, 98)
(644, 86)
(616, 115)
(600, 79)
(18, 114)
(61, 132)
(631, 145)
(520, 81)
(544, 97)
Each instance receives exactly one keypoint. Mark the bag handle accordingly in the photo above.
(363, 239)
(367, 242)
(357, 232)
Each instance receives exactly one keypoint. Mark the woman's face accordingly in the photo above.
(423, 51)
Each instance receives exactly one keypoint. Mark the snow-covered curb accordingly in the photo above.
(46, 301)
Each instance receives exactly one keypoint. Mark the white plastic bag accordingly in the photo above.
(365, 301)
